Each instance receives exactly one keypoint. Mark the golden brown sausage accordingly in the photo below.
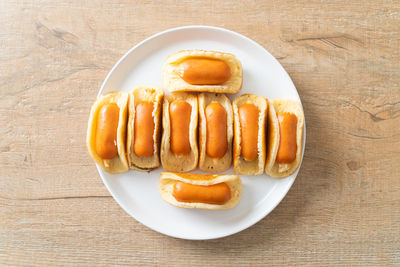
(205, 71)
(248, 116)
(217, 194)
(287, 142)
(179, 113)
(106, 132)
(216, 143)
(144, 130)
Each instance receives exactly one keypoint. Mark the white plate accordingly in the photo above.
(137, 192)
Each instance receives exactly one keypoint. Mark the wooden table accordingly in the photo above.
(343, 209)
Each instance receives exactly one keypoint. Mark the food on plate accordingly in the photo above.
(285, 135)
(144, 128)
(179, 151)
(202, 191)
(215, 132)
(202, 71)
(106, 132)
(249, 134)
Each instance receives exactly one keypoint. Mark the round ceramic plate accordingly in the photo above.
(137, 192)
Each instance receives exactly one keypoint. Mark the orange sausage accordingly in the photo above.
(287, 141)
(248, 117)
(216, 144)
(144, 130)
(179, 113)
(217, 194)
(205, 71)
(106, 132)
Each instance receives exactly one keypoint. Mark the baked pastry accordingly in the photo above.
(249, 146)
(285, 137)
(202, 71)
(144, 128)
(212, 192)
(106, 132)
(215, 132)
(179, 150)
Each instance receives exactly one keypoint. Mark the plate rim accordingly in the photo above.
(261, 215)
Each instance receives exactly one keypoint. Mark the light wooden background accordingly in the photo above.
(343, 56)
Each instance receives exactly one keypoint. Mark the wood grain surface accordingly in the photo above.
(344, 207)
